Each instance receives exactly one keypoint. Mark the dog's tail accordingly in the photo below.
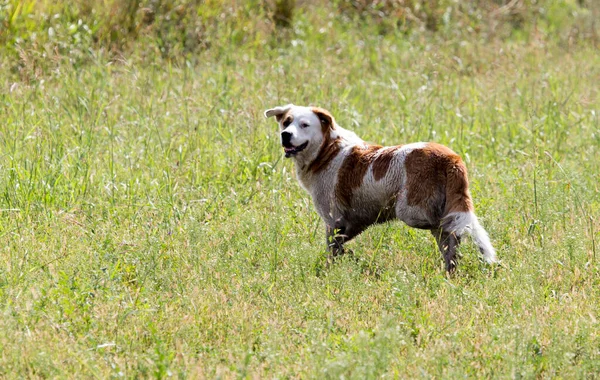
(460, 217)
(460, 223)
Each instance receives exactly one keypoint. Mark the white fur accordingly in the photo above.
(461, 222)
(302, 116)
(350, 137)
(278, 110)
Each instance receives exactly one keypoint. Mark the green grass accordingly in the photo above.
(150, 225)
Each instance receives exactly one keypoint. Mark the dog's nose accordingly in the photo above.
(286, 139)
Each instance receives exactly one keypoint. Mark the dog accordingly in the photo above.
(354, 184)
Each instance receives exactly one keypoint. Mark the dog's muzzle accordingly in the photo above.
(291, 150)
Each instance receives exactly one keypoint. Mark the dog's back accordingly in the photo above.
(420, 182)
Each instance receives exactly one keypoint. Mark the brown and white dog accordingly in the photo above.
(354, 184)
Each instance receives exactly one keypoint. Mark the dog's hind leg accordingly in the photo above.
(448, 244)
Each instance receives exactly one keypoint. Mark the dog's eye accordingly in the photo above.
(287, 122)
(304, 125)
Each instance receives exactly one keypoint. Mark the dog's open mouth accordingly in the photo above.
(293, 150)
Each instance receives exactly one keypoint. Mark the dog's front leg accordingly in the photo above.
(335, 242)
(337, 235)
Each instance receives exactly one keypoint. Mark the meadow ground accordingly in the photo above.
(150, 226)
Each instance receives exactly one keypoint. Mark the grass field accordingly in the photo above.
(150, 226)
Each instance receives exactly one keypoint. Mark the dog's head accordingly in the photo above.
(302, 129)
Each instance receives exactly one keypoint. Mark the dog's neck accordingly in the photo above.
(348, 138)
(314, 160)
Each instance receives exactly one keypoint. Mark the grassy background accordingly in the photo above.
(151, 228)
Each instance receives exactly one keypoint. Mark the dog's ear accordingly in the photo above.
(278, 112)
(324, 117)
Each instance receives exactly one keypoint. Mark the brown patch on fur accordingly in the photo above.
(352, 172)
(330, 148)
(383, 161)
(284, 117)
(325, 118)
(458, 198)
(435, 173)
